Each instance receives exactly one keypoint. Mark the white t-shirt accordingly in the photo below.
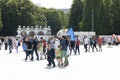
(109, 40)
(16, 43)
(86, 40)
(57, 43)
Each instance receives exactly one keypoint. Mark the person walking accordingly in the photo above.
(44, 47)
(64, 46)
(17, 45)
(58, 55)
(6, 42)
(100, 41)
(24, 46)
(72, 47)
(51, 53)
(86, 40)
(40, 48)
(35, 47)
(0, 43)
(94, 43)
(29, 49)
(90, 44)
(10, 44)
(77, 48)
(109, 40)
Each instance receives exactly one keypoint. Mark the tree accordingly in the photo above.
(94, 17)
(86, 24)
(101, 16)
(115, 12)
(107, 17)
(0, 21)
(39, 17)
(55, 19)
(0, 17)
(76, 13)
(19, 12)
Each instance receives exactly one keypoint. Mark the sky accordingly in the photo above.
(58, 4)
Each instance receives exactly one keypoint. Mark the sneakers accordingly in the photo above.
(48, 65)
(37, 59)
(54, 66)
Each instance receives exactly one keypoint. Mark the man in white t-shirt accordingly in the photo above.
(86, 40)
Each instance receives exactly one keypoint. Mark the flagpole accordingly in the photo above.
(92, 19)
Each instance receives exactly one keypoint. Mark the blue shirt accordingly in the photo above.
(63, 44)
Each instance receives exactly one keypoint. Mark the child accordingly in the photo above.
(58, 54)
(40, 49)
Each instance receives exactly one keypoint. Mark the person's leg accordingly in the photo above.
(17, 49)
(78, 50)
(10, 49)
(96, 48)
(0, 46)
(70, 50)
(26, 52)
(49, 61)
(53, 62)
(74, 50)
(31, 52)
(49, 57)
(36, 54)
(66, 61)
(5, 46)
(44, 51)
(61, 58)
(93, 48)
(41, 55)
(85, 47)
(58, 61)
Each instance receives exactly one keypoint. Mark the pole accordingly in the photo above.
(92, 19)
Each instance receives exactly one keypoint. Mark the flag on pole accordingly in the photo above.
(71, 33)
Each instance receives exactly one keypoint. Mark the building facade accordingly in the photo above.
(31, 31)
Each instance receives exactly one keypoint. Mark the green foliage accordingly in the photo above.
(0, 21)
(107, 17)
(115, 13)
(86, 24)
(100, 9)
(11, 10)
(56, 19)
(76, 14)
(25, 13)
(104, 14)
(20, 12)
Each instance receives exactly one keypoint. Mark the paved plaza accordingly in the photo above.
(103, 65)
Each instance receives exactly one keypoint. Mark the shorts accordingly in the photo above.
(63, 53)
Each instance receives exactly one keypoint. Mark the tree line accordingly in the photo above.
(25, 13)
(101, 16)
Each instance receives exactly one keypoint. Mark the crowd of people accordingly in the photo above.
(9, 43)
(53, 48)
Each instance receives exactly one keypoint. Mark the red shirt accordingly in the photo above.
(100, 40)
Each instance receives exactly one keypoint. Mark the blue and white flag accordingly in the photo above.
(71, 33)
